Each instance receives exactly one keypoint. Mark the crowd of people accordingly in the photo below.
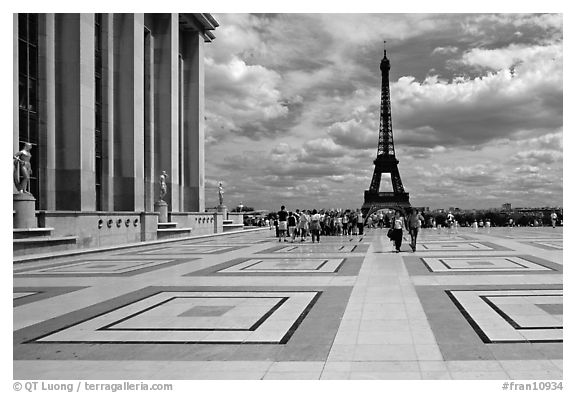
(299, 224)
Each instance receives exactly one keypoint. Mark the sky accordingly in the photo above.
(293, 101)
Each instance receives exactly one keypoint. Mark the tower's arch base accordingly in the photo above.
(384, 200)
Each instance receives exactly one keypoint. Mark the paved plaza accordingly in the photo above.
(484, 304)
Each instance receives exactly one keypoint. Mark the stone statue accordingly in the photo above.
(23, 169)
(163, 186)
(220, 194)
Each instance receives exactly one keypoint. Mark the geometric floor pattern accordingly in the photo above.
(476, 304)
(460, 246)
(512, 316)
(309, 266)
(522, 264)
(195, 317)
(281, 265)
(547, 244)
(97, 268)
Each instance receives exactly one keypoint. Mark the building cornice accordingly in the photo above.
(201, 23)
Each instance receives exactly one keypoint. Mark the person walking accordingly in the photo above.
(415, 221)
(553, 218)
(360, 219)
(345, 222)
(303, 225)
(353, 223)
(292, 221)
(282, 223)
(315, 225)
(338, 222)
(397, 226)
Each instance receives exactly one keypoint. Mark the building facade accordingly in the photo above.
(108, 102)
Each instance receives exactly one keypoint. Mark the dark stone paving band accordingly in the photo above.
(41, 293)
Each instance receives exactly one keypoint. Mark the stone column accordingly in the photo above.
(193, 108)
(129, 112)
(165, 31)
(47, 112)
(107, 112)
(149, 169)
(15, 85)
(75, 175)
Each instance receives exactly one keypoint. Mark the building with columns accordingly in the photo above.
(108, 102)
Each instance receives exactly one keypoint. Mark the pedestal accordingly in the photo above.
(25, 208)
(224, 210)
(162, 208)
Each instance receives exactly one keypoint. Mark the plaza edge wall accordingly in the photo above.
(104, 229)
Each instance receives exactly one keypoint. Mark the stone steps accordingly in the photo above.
(43, 244)
(167, 230)
(26, 233)
(167, 225)
(232, 227)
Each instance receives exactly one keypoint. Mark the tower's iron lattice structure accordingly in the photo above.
(385, 161)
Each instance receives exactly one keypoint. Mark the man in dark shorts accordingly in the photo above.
(282, 223)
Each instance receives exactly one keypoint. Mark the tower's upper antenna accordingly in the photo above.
(384, 48)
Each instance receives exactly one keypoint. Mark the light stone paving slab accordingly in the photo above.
(301, 375)
(474, 375)
(365, 375)
(536, 375)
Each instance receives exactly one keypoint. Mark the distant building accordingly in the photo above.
(507, 206)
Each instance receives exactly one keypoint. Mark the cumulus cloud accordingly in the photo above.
(494, 106)
(514, 55)
(537, 157)
(353, 133)
(243, 99)
(442, 50)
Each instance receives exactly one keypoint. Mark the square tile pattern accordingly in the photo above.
(97, 267)
(316, 248)
(485, 264)
(195, 317)
(512, 316)
(281, 265)
(464, 246)
(292, 265)
(187, 249)
(495, 322)
(480, 265)
(427, 237)
(193, 323)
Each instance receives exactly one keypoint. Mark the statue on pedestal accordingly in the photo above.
(23, 169)
(163, 186)
(220, 194)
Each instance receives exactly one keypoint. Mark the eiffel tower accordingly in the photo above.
(385, 161)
